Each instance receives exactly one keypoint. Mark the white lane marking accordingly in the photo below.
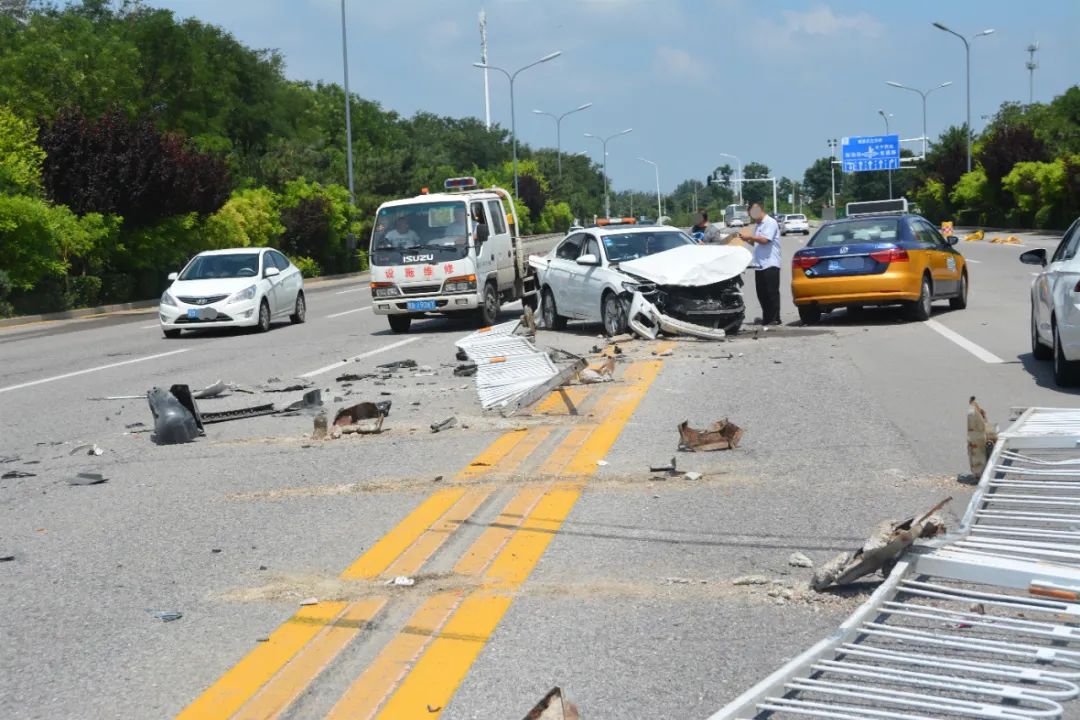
(348, 312)
(148, 327)
(350, 290)
(93, 369)
(361, 356)
(980, 352)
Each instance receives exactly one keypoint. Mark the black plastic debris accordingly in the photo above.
(461, 355)
(133, 425)
(239, 414)
(6, 557)
(443, 424)
(368, 415)
(312, 400)
(87, 478)
(354, 377)
(466, 369)
(183, 394)
(398, 365)
(173, 421)
(15, 474)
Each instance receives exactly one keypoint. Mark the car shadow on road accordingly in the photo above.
(1042, 372)
(871, 317)
(461, 323)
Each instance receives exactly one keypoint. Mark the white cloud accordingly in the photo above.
(822, 22)
(673, 64)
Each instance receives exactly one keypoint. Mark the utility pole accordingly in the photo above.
(348, 109)
(1031, 66)
(886, 118)
(484, 59)
(832, 143)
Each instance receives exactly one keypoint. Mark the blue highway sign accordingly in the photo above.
(870, 152)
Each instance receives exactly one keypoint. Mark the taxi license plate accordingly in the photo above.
(420, 305)
(854, 263)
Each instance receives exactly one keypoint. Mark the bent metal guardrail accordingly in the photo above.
(980, 624)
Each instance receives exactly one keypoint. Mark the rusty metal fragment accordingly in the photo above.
(723, 435)
(364, 418)
(554, 707)
(881, 551)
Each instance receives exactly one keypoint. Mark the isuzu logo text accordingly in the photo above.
(417, 258)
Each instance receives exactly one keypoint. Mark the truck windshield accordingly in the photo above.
(420, 232)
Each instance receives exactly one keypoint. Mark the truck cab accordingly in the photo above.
(450, 252)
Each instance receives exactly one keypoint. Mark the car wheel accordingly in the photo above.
(855, 310)
(960, 301)
(1066, 372)
(300, 312)
(809, 314)
(1038, 349)
(399, 323)
(172, 334)
(488, 312)
(805, 232)
(613, 314)
(552, 319)
(921, 308)
(264, 317)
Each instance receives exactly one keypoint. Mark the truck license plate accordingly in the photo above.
(420, 305)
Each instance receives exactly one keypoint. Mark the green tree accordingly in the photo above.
(20, 156)
(756, 191)
(251, 218)
(39, 240)
(817, 182)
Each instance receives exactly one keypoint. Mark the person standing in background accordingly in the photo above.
(765, 239)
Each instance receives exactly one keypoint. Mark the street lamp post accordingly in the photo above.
(603, 143)
(558, 129)
(348, 109)
(967, 81)
(738, 171)
(832, 167)
(947, 83)
(656, 168)
(885, 117)
(511, 76)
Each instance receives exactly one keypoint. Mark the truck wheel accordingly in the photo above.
(399, 323)
(550, 313)
(613, 314)
(488, 312)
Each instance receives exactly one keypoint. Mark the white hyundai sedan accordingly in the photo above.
(242, 287)
(1055, 307)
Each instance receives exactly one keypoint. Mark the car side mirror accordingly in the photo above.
(271, 272)
(589, 259)
(952, 239)
(1034, 257)
(173, 276)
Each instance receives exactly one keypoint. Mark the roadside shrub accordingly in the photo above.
(5, 292)
(83, 291)
(308, 268)
(363, 262)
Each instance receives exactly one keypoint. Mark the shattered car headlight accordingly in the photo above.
(247, 293)
(632, 287)
(166, 299)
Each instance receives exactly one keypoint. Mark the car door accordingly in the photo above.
(935, 259)
(559, 269)
(586, 282)
(1057, 280)
(503, 248)
(289, 282)
(271, 285)
(952, 271)
(486, 263)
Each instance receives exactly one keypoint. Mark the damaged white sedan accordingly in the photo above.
(643, 278)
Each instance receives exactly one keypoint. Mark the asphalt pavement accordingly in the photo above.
(543, 552)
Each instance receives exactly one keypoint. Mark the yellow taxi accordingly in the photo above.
(877, 258)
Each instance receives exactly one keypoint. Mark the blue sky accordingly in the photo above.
(766, 80)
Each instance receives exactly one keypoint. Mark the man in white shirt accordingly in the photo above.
(765, 239)
(402, 236)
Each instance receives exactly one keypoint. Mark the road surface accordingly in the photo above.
(542, 552)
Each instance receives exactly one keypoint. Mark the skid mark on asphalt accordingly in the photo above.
(977, 350)
(424, 662)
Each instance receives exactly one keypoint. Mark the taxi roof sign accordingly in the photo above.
(460, 183)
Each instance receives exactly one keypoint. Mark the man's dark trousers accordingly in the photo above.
(767, 284)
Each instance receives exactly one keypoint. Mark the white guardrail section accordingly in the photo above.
(983, 623)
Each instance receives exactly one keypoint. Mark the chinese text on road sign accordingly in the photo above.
(870, 152)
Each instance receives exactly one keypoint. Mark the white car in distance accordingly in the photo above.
(1055, 307)
(241, 287)
(795, 223)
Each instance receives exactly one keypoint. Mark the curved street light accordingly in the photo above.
(738, 170)
(558, 129)
(511, 76)
(967, 82)
(924, 94)
(604, 142)
(659, 207)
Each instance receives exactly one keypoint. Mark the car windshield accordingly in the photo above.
(877, 230)
(429, 231)
(796, 217)
(209, 267)
(631, 246)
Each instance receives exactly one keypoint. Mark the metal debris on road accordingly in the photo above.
(312, 400)
(723, 435)
(364, 418)
(296, 387)
(173, 421)
(166, 615)
(465, 369)
(980, 437)
(6, 557)
(398, 365)
(647, 322)
(600, 374)
(15, 474)
(90, 448)
(881, 551)
(309, 601)
(669, 468)
(443, 424)
(211, 391)
(238, 414)
(797, 559)
(554, 706)
(88, 478)
(691, 476)
(355, 377)
(401, 581)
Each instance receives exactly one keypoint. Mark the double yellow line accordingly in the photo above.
(417, 672)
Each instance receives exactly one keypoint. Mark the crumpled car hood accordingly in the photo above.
(691, 265)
